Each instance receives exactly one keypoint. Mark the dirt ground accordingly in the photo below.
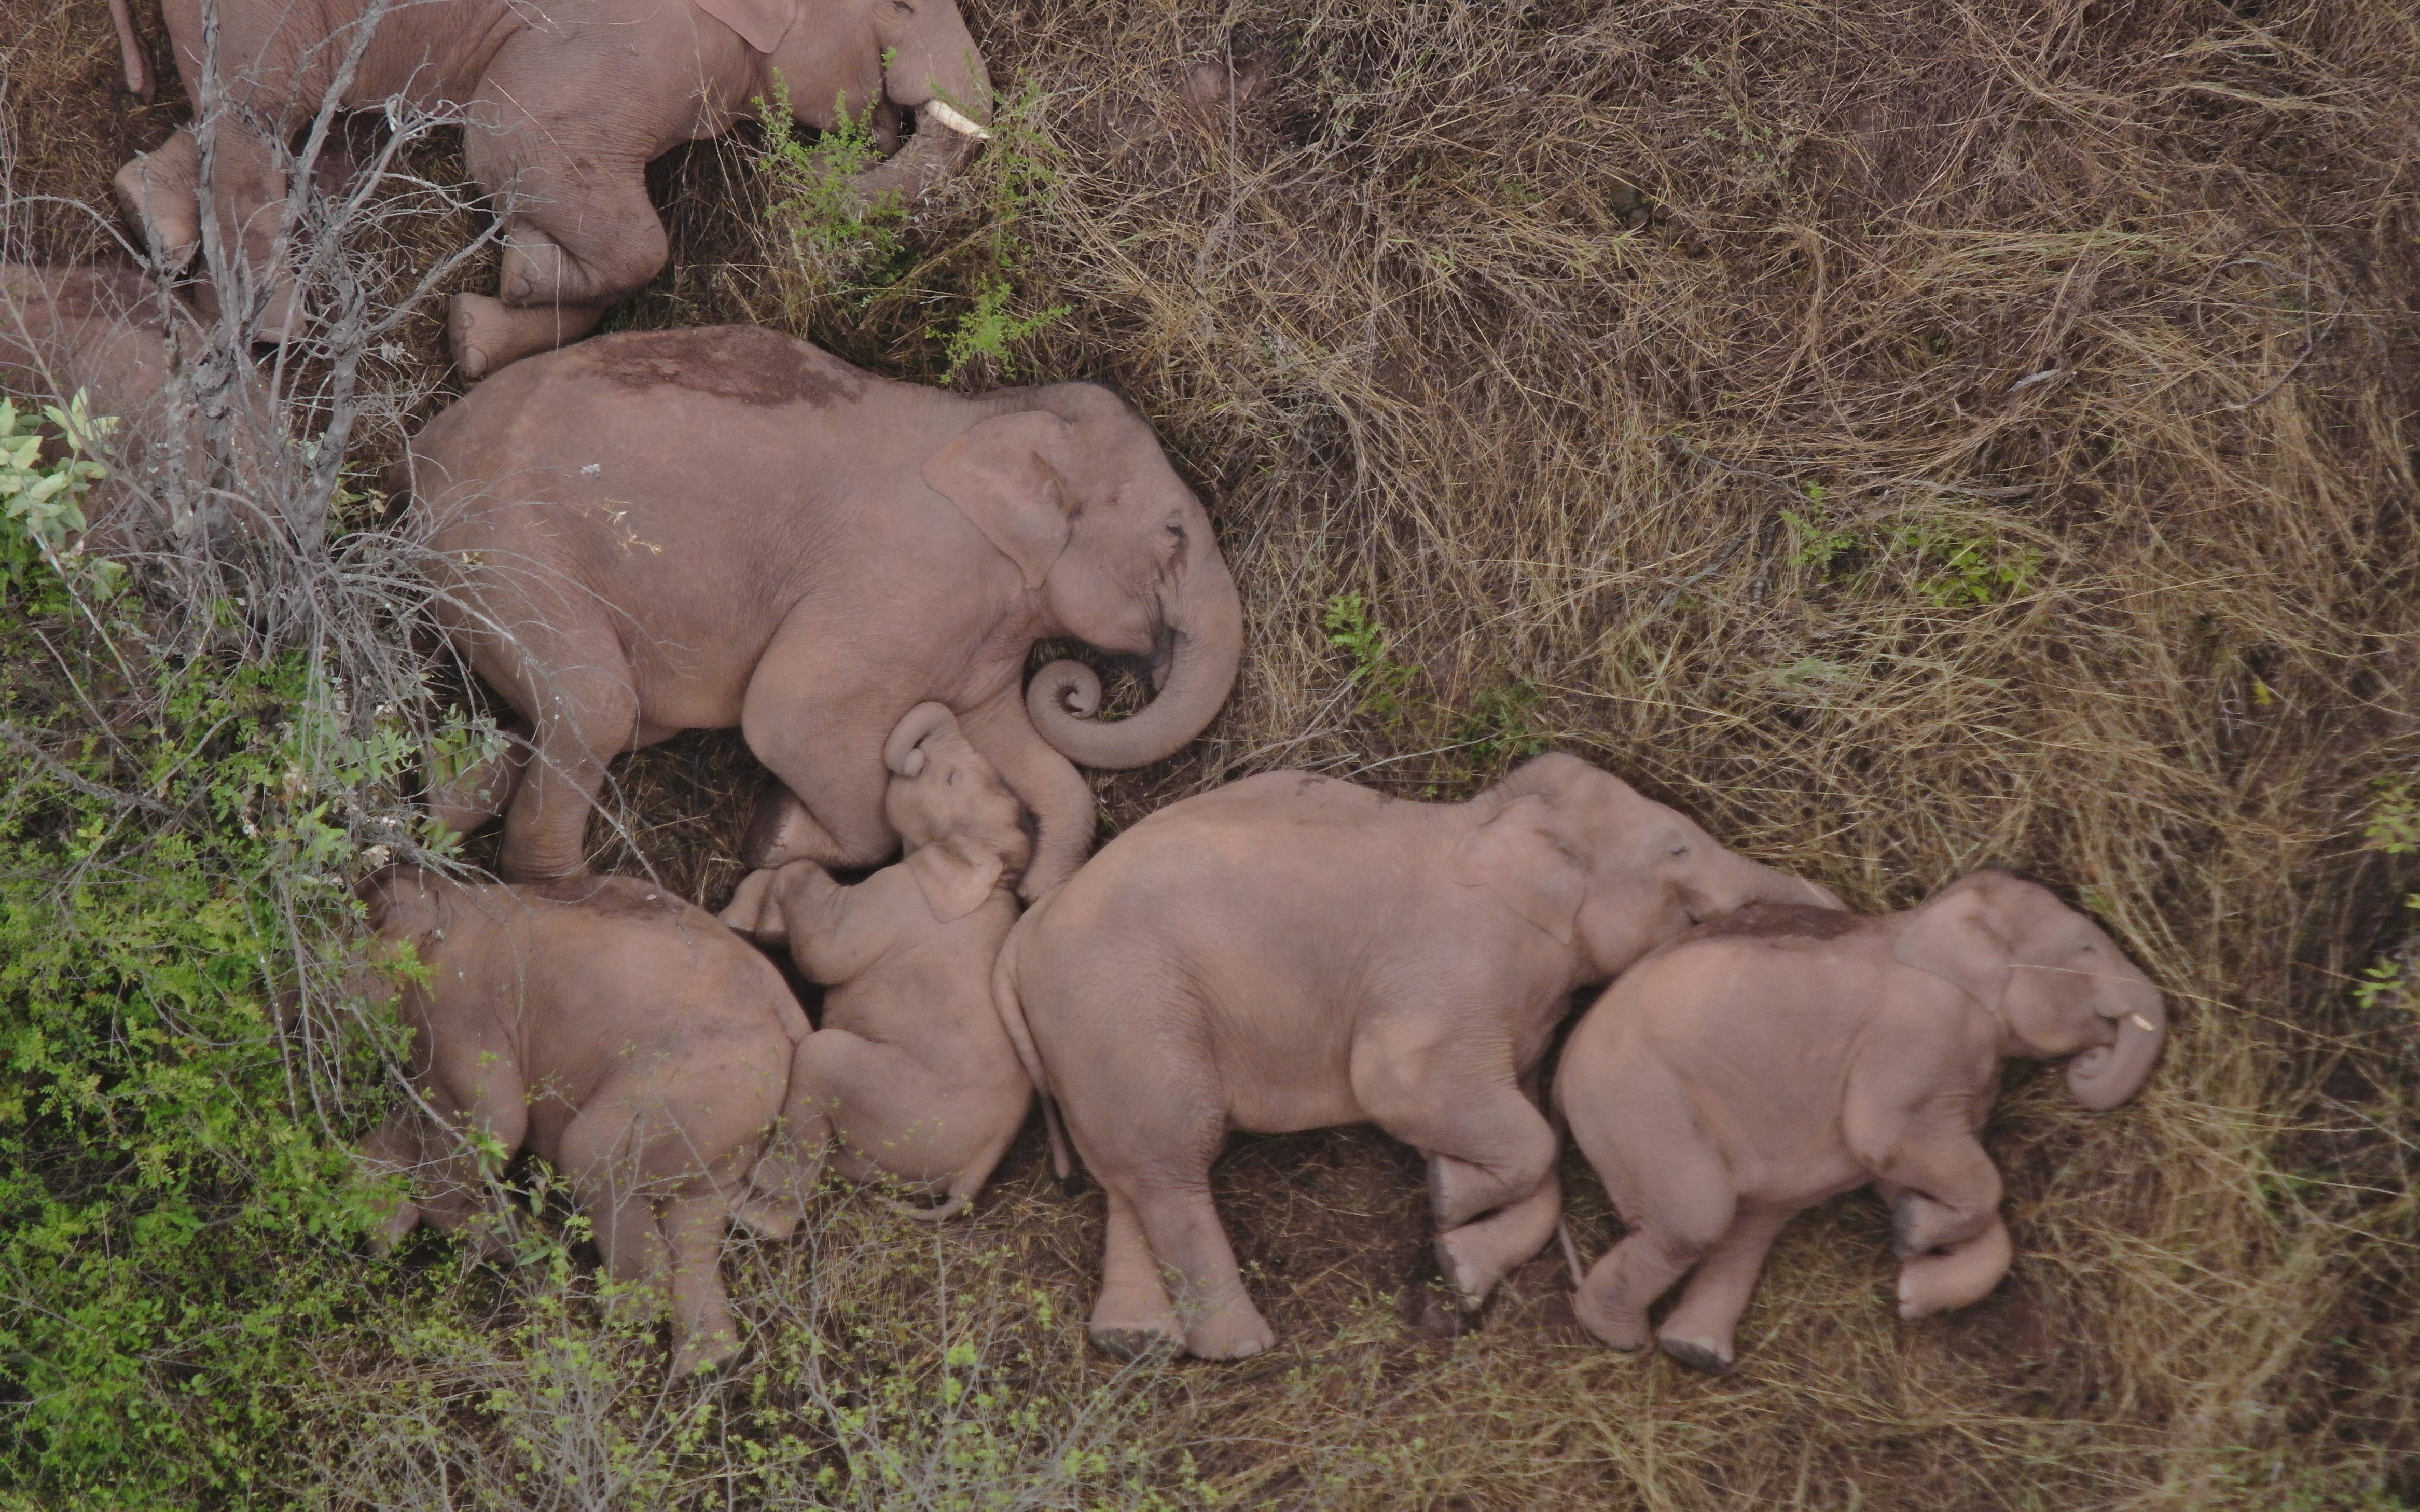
(1903, 436)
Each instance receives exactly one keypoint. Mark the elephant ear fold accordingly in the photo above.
(1955, 939)
(1007, 474)
(1518, 859)
(761, 24)
(953, 886)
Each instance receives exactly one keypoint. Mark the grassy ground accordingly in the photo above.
(1903, 436)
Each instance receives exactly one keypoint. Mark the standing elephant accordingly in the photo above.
(1768, 1061)
(680, 529)
(1292, 952)
(910, 1074)
(566, 103)
(618, 1031)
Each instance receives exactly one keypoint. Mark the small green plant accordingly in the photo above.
(1385, 683)
(45, 500)
(2393, 827)
(1502, 724)
(1965, 570)
(815, 199)
(988, 329)
(1813, 545)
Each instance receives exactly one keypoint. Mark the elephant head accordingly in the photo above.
(2055, 984)
(965, 831)
(1071, 485)
(1584, 856)
(826, 53)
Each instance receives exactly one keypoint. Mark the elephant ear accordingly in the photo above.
(761, 24)
(1007, 474)
(1518, 858)
(1955, 939)
(953, 886)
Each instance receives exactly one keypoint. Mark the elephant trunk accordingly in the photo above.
(941, 78)
(1208, 644)
(2107, 1075)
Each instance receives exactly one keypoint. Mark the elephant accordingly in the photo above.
(621, 1033)
(565, 106)
(659, 531)
(1767, 1061)
(910, 1074)
(108, 334)
(1292, 951)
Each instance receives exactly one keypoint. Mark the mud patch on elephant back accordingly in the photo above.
(736, 362)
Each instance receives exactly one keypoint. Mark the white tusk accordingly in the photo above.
(2143, 1024)
(944, 113)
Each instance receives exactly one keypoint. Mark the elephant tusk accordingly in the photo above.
(2143, 1024)
(944, 113)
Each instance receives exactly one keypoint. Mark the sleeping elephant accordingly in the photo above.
(1770, 1060)
(909, 1075)
(678, 530)
(1292, 952)
(614, 1029)
(566, 103)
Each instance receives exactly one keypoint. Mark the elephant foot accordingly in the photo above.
(746, 914)
(1613, 1330)
(396, 1228)
(763, 1218)
(1137, 1343)
(1236, 1334)
(705, 1350)
(159, 199)
(485, 333)
(1697, 1354)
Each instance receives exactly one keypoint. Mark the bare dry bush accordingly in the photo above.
(1903, 436)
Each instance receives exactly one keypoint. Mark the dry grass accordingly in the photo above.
(1526, 323)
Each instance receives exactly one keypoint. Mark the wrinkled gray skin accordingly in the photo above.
(1292, 952)
(667, 530)
(625, 1036)
(910, 1075)
(1774, 1059)
(568, 101)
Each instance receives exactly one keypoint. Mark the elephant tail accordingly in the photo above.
(1006, 998)
(132, 52)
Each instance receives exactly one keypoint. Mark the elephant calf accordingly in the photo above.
(1294, 952)
(1783, 1055)
(616, 1030)
(911, 1075)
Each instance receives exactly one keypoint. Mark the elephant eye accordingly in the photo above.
(1677, 851)
(953, 780)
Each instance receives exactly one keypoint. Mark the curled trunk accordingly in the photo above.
(1209, 642)
(2104, 1077)
(934, 154)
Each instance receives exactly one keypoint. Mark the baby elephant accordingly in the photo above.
(1783, 1056)
(619, 1032)
(912, 1073)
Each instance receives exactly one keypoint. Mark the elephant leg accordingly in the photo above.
(161, 191)
(247, 191)
(1944, 1189)
(1672, 1189)
(485, 333)
(481, 1094)
(1702, 1330)
(1047, 783)
(705, 1334)
(396, 1148)
(1959, 1275)
(1479, 1253)
(816, 716)
(461, 804)
(1181, 1223)
(584, 720)
(1459, 1104)
(601, 1156)
(1133, 1316)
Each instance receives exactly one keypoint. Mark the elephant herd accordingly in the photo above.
(646, 533)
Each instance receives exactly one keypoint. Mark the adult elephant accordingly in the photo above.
(665, 530)
(568, 103)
